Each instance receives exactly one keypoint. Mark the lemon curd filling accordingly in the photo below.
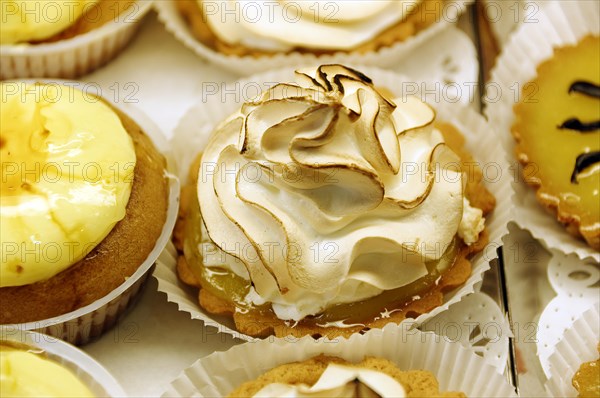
(67, 171)
(228, 286)
(557, 124)
(31, 20)
(25, 373)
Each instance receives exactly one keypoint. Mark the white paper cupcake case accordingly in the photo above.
(91, 373)
(576, 283)
(387, 56)
(86, 323)
(559, 23)
(578, 345)
(193, 131)
(456, 368)
(479, 324)
(73, 57)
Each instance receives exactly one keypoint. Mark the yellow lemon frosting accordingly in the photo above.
(30, 20)
(25, 374)
(67, 171)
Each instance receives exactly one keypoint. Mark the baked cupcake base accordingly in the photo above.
(114, 259)
(87, 316)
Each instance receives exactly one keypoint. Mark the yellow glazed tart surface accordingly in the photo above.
(556, 127)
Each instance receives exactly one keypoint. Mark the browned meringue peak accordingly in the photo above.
(332, 192)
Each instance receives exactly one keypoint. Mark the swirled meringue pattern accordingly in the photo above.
(286, 24)
(327, 192)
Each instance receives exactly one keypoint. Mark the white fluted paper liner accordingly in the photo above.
(76, 56)
(86, 323)
(193, 131)
(578, 345)
(557, 318)
(247, 65)
(559, 23)
(456, 368)
(576, 283)
(479, 324)
(91, 373)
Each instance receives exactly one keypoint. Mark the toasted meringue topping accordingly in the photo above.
(340, 381)
(284, 25)
(326, 192)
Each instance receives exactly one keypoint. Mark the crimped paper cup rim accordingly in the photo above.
(90, 372)
(560, 23)
(455, 367)
(206, 115)
(81, 40)
(578, 345)
(246, 65)
(163, 146)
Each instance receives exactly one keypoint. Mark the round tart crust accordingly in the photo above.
(114, 259)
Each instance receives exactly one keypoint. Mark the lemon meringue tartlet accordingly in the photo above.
(325, 376)
(325, 208)
(83, 199)
(261, 28)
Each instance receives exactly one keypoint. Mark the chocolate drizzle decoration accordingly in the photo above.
(584, 160)
(585, 88)
(578, 125)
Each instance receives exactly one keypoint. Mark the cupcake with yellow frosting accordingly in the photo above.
(324, 207)
(252, 36)
(49, 38)
(84, 205)
(38, 365)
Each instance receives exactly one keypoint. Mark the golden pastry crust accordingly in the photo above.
(103, 12)
(553, 203)
(114, 259)
(587, 379)
(265, 323)
(417, 383)
(424, 15)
